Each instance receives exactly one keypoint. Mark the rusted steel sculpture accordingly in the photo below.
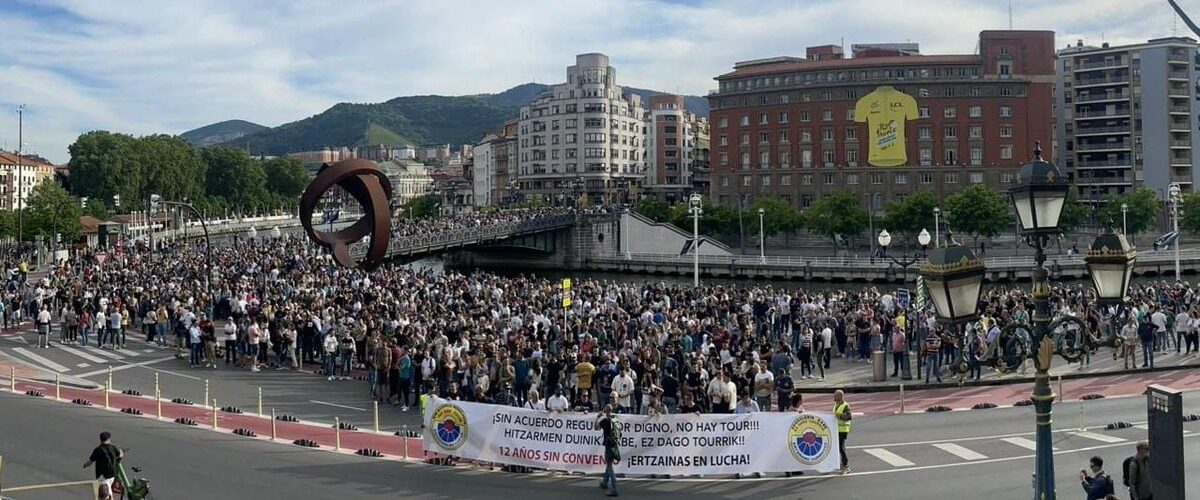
(367, 184)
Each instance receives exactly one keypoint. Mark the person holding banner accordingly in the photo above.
(612, 449)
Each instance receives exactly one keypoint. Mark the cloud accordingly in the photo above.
(147, 66)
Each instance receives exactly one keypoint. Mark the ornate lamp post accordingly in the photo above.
(885, 240)
(695, 208)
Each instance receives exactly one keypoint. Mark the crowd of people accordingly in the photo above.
(477, 336)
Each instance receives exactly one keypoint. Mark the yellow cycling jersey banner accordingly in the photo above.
(885, 111)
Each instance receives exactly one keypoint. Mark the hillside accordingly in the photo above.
(413, 120)
(221, 132)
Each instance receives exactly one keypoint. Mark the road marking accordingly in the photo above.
(147, 350)
(1022, 442)
(19, 340)
(1099, 437)
(82, 365)
(892, 459)
(335, 404)
(124, 367)
(1144, 427)
(108, 354)
(177, 374)
(959, 451)
(81, 353)
(40, 360)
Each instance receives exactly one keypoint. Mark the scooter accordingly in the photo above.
(126, 488)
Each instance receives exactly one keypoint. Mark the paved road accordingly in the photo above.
(979, 454)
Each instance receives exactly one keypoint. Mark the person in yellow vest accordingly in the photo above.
(424, 402)
(841, 410)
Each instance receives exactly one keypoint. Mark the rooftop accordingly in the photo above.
(789, 64)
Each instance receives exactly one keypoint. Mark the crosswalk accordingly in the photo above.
(75, 360)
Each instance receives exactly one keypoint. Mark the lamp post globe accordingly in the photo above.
(1110, 264)
(694, 200)
(1039, 197)
(924, 238)
(885, 239)
(954, 278)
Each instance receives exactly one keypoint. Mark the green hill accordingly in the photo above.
(217, 133)
(412, 120)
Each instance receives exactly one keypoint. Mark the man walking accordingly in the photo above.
(612, 449)
(43, 328)
(1146, 332)
(841, 410)
(1138, 478)
(105, 458)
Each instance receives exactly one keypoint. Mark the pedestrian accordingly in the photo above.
(745, 404)
(1146, 333)
(933, 356)
(43, 328)
(899, 346)
(196, 344)
(611, 429)
(783, 389)
(841, 411)
(329, 353)
(1137, 473)
(1096, 484)
(105, 458)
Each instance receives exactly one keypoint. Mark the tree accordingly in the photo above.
(837, 214)
(233, 175)
(97, 209)
(51, 210)
(286, 177)
(978, 211)
(654, 209)
(1142, 210)
(422, 206)
(910, 215)
(1189, 219)
(778, 216)
(1074, 213)
(171, 167)
(104, 164)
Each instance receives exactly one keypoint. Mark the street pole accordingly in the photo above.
(1124, 220)
(937, 227)
(1175, 216)
(696, 246)
(1043, 396)
(762, 241)
(20, 170)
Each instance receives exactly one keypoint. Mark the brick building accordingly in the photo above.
(787, 127)
(676, 149)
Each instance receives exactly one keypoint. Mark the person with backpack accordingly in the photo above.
(1098, 485)
(612, 449)
(1135, 473)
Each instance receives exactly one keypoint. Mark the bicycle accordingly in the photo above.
(137, 488)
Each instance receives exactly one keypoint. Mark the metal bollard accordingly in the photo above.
(214, 408)
(272, 424)
(110, 376)
(260, 413)
(157, 397)
(337, 434)
(1061, 394)
(12, 378)
(901, 398)
(1082, 427)
(375, 406)
(405, 432)
(205, 391)
(57, 388)
(107, 389)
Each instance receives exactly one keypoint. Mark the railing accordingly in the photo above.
(1105, 97)
(1101, 64)
(404, 245)
(1177, 143)
(1102, 113)
(1099, 81)
(1102, 130)
(1102, 145)
(1097, 164)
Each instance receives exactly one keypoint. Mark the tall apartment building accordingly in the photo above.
(885, 124)
(16, 184)
(1126, 117)
(494, 170)
(673, 148)
(582, 137)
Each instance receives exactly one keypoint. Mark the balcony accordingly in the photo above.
(1101, 146)
(1177, 75)
(1084, 82)
(1119, 129)
(1179, 109)
(1177, 143)
(1085, 114)
(1123, 96)
(1182, 58)
(1103, 164)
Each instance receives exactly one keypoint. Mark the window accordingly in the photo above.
(722, 122)
(976, 156)
(975, 131)
(1006, 152)
(827, 115)
(745, 139)
(762, 118)
(975, 111)
(725, 181)
(852, 157)
(805, 116)
(572, 153)
(849, 114)
(805, 201)
(764, 159)
(806, 179)
(1006, 178)
(923, 112)
(723, 140)
(976, 177)
(724, 158)
(594, 152)
(1005, 111)
(746, 159)
(901, 178)
(826, 134)
(570, 123)
(783, 136)
(828, 157)
(805, 136)
(783, 98)
(926, 156)
(828, 179)
(746, 181)
(851, 133)
(745, 120)
(764, 137)
(1006, 131)
(950, 156)
(1005, 68)
(924, 132)
(952, 178)
(948, 92)
(766, 180)
(785, 158)
(785, 180)
(950, 132)
(806, 158)
(950, 112)
(852, 179)
(570, 138)
(783, 117)
(876, 179)
(926, 178)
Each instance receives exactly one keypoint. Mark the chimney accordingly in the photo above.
(1079, 42)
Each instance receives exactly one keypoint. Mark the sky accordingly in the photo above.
(154, 66)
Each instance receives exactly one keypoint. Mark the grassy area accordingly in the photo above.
(377, 134)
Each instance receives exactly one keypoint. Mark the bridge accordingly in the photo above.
(850, 269)
(532, 235)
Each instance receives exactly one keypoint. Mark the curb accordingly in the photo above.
(917, 385)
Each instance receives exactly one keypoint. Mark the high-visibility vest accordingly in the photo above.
(838, 410)
(424, 401)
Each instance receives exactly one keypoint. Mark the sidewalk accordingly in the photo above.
(853, 376)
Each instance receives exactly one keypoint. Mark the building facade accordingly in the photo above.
(885, 124)
(673, 148)
(583, 139)
(16, 183)
(494, 178)
(1126, 117)
(410, 179)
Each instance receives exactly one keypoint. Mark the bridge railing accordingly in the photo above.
(401, 245)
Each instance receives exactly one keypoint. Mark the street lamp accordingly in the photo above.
(1173, 192)
(762, 240)
(1110, 264)
(937, 227)
(1124, 219)
(885, 240)
(276, 233)
(696, 210)
(20, 184)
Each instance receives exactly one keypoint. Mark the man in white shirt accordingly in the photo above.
(1159, 319)
(718, 393)
(1182, 324)
(43, 328)
(558, 402)
(764, 385)
(622, 384)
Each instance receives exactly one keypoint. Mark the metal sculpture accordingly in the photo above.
(371, 188)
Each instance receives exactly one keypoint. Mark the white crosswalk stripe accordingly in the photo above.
(82, 365)
(1022, 442)
(959, 451)
(81, 353)
(40, 360)
(1103, 438)
(106, 353)
(1144, 427)
(892, 459)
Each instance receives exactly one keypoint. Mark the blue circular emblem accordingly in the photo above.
(449, 426)
(809, 439)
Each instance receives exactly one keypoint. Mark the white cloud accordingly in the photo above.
(145, 66)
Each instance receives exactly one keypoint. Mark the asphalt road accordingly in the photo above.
(977, 454)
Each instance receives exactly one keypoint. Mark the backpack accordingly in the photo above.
(616, 430)
(1125, 471)
(1109, 488)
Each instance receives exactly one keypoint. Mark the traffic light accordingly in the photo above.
(83, 201)
(116, 200)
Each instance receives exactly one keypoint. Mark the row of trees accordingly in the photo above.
(214, 179)
(978, 211)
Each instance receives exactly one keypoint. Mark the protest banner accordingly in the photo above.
(663, 445)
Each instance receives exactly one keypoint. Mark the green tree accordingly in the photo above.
(286, 177)
(421, 207)
(171, 168)
(8, 224)
(778, 216)
(1075, 214)
(653, 208)
(1143, 206)
(233, 175)
(978, 211)
(104, 164)
(911, 215)
(51, 210)
(1190, 208)
(837, 214)
(97, 209)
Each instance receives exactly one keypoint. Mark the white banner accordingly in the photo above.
(668, 444)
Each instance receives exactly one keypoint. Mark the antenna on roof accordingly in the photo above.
(1009, 15)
